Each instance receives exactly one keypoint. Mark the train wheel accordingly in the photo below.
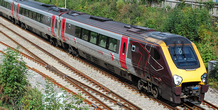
(23, 26)
(70, 50)
(155, 92)
(13, 21)
(55, 43)
(140, 84)
(51, 41)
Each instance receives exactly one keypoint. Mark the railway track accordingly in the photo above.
(210, 105)
(93, 82)
(103, 97)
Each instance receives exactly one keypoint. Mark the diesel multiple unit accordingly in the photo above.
(161, 63)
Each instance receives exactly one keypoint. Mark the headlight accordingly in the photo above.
(204, 78)
(177, 80)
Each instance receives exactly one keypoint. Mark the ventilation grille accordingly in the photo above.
(138, 29)
(95, 60)
(88, 57)
(110, 67)
(102, 19)
(48, 5)
(75, 13)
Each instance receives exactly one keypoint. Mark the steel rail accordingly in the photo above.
(210, 105)
(83, 75)
(73, 69)
(46, 65)
(49, 78)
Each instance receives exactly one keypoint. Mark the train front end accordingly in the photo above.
(189, 75)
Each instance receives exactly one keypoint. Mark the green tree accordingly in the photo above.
(13, 79)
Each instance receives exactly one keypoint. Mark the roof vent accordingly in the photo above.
(59, 9)
(138, 29)
(75, 13)
(48, 5)
(102, 19)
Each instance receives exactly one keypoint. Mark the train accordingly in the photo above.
(163, 64)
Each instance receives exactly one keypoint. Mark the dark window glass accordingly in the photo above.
(156, 55)
(41, 18)
(27, 13)
(34, 16)
(24, 11)
(78, 32)
(6, 4)
(85, 34)
(21, 10)
(30, 14)
(184, 57)
(38, 17)
(93, 37)
(102, 41)
(112, 44)
(124, 48)
(56, 23)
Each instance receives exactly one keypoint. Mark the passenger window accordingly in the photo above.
(34, 15)
(85, 34)
(102, 41)
(24, 11)
(112, 44)
(38, 17)
(20, 10)
(27, 13)
(41, 18)
(7, 5)
(124, 48)
(30, 14)
(93, 38)
(156, 55)
(78, 32)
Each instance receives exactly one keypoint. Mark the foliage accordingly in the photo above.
(186, 22)
(32, 99)
(209, 4)
(54, 101)
(213, 78)
(13, 79)
(15, 92)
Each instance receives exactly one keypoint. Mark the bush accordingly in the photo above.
(13, 79)
(32, 99)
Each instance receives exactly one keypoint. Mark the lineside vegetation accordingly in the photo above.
(16, 92)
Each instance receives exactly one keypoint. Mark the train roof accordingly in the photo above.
(135, 32)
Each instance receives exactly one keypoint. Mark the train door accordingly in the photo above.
(123, 50)
(53, 25)
(140, 56)
(58, 25)
(63, 28)
(18, 11)
(12, 9)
